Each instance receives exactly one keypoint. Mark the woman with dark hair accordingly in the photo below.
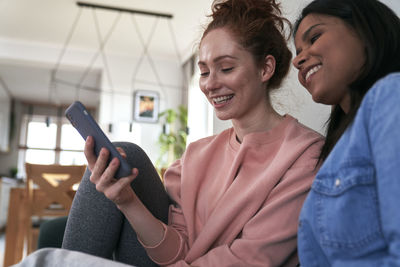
(348, 56)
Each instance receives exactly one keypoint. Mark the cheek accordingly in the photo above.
(202, 86)
(354, 59)
(242, 80)
(355, 68)
(300, 79)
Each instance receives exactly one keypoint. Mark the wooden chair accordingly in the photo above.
(48, 194)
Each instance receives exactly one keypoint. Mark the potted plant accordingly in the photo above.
(172, 140)
(13, 172)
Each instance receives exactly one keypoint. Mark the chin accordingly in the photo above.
(319, 99)
(222, 116)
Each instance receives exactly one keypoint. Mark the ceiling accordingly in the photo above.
(48, 23)
(29, 26)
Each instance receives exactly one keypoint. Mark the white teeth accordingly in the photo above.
(221, 99)
(312, 71)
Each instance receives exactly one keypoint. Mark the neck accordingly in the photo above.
(345, 103)
(262, 122)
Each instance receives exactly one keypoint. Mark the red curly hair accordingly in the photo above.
(259, 27)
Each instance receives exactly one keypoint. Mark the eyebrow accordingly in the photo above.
(217, 59)
(307, 33)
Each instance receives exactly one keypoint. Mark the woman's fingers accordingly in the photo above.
(89, 152)
(103, 173)
(118, 191)
(122, 152)
(114, 191)
(100, 165)
(107, 177)
(121, 191)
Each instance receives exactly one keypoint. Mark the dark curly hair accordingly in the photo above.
(259, 28)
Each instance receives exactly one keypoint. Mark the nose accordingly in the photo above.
(211, 82)
(299, 60)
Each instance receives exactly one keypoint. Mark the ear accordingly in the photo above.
(268, 68)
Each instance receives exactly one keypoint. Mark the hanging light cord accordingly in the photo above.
(53, 72)
(178, 54)
(66, 43)
(5, 87)
(102, 43)
(145, 53)
(105, 61)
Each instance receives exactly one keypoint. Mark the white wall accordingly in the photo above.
(118, 108)
(116, 101)
(393, 4)
(5, 109)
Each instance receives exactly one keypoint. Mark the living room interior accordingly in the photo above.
(113, 56)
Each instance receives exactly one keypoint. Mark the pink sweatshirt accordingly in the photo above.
(238, 204)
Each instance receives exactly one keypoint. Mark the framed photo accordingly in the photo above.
(146, 106)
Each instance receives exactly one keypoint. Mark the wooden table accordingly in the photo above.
(14, 245)
(16, 224)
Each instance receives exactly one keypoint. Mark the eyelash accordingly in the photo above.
(227, 69)
(204, 74)
(314, 38)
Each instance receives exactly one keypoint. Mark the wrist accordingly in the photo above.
(129, 204)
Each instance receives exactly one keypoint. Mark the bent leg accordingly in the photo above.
(96, 226)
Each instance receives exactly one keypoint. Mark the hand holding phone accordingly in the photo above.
(81, 119)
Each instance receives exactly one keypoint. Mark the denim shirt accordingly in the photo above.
(351, 216)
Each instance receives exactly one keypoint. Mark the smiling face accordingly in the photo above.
(329, 58)
(230, 79)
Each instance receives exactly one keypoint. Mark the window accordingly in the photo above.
(41, 142)
(49, 140)
(71, 145)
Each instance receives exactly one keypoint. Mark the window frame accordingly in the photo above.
(23, 140)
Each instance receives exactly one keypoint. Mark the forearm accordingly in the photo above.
(149, 229)
(163, 244)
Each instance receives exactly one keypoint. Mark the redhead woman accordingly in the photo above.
(233, 199)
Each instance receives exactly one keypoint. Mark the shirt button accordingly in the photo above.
(337, 182)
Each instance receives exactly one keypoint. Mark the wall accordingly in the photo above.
(10, 159)
(5, 108)
(116, 101)
(118, 108)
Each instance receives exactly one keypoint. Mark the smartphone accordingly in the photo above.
(81, 119)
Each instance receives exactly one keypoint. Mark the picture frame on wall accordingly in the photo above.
(146, 106)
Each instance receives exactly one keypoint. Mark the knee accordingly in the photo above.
(129, 148)
(134, 153)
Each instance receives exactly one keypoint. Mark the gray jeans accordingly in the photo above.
(50, 257)
(96, 226)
